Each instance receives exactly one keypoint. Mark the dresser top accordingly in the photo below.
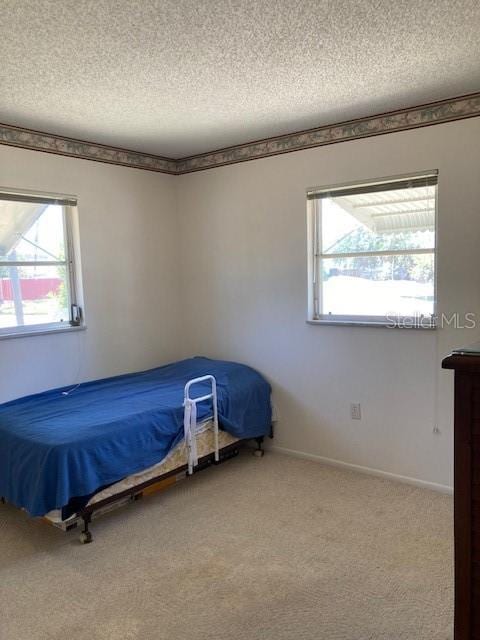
(467, 358)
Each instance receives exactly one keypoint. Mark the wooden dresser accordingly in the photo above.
(466, 364)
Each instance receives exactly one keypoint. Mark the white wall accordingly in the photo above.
(214, 263)
(128, 236)
(244, 292)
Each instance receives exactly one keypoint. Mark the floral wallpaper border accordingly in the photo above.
(28, 139)
(401, 120)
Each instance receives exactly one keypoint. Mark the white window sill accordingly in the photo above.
(28, 333)
(371, 323)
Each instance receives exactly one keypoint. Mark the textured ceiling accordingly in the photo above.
(178, 77)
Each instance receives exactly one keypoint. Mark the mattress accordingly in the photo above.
(174, 460)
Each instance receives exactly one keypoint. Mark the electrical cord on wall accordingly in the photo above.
(436, 383)
(80, 360)
(67, 393)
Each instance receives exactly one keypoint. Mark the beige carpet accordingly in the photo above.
(274, 548)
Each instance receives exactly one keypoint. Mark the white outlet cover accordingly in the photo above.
(356, 411)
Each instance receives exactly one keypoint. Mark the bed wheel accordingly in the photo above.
(259, 452)
(86, 537)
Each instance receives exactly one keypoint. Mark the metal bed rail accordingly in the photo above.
(190, 418)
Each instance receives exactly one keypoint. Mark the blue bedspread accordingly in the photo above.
(54, 447)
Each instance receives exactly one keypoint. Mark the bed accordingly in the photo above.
(69, 453)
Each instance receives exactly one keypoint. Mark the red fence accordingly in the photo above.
(31, 288)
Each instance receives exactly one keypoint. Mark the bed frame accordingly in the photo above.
(136, 493)
(192, 465)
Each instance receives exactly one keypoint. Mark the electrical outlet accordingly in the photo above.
(355, 411)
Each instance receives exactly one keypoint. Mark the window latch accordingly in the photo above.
(76, 315)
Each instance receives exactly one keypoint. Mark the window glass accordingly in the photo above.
(35, 270)
(374, 251)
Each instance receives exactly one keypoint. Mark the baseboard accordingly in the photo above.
(442, 488)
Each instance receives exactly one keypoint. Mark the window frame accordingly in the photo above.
(71, 264)
(316, 258)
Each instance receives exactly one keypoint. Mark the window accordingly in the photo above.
(372, 252)
(38, 280)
